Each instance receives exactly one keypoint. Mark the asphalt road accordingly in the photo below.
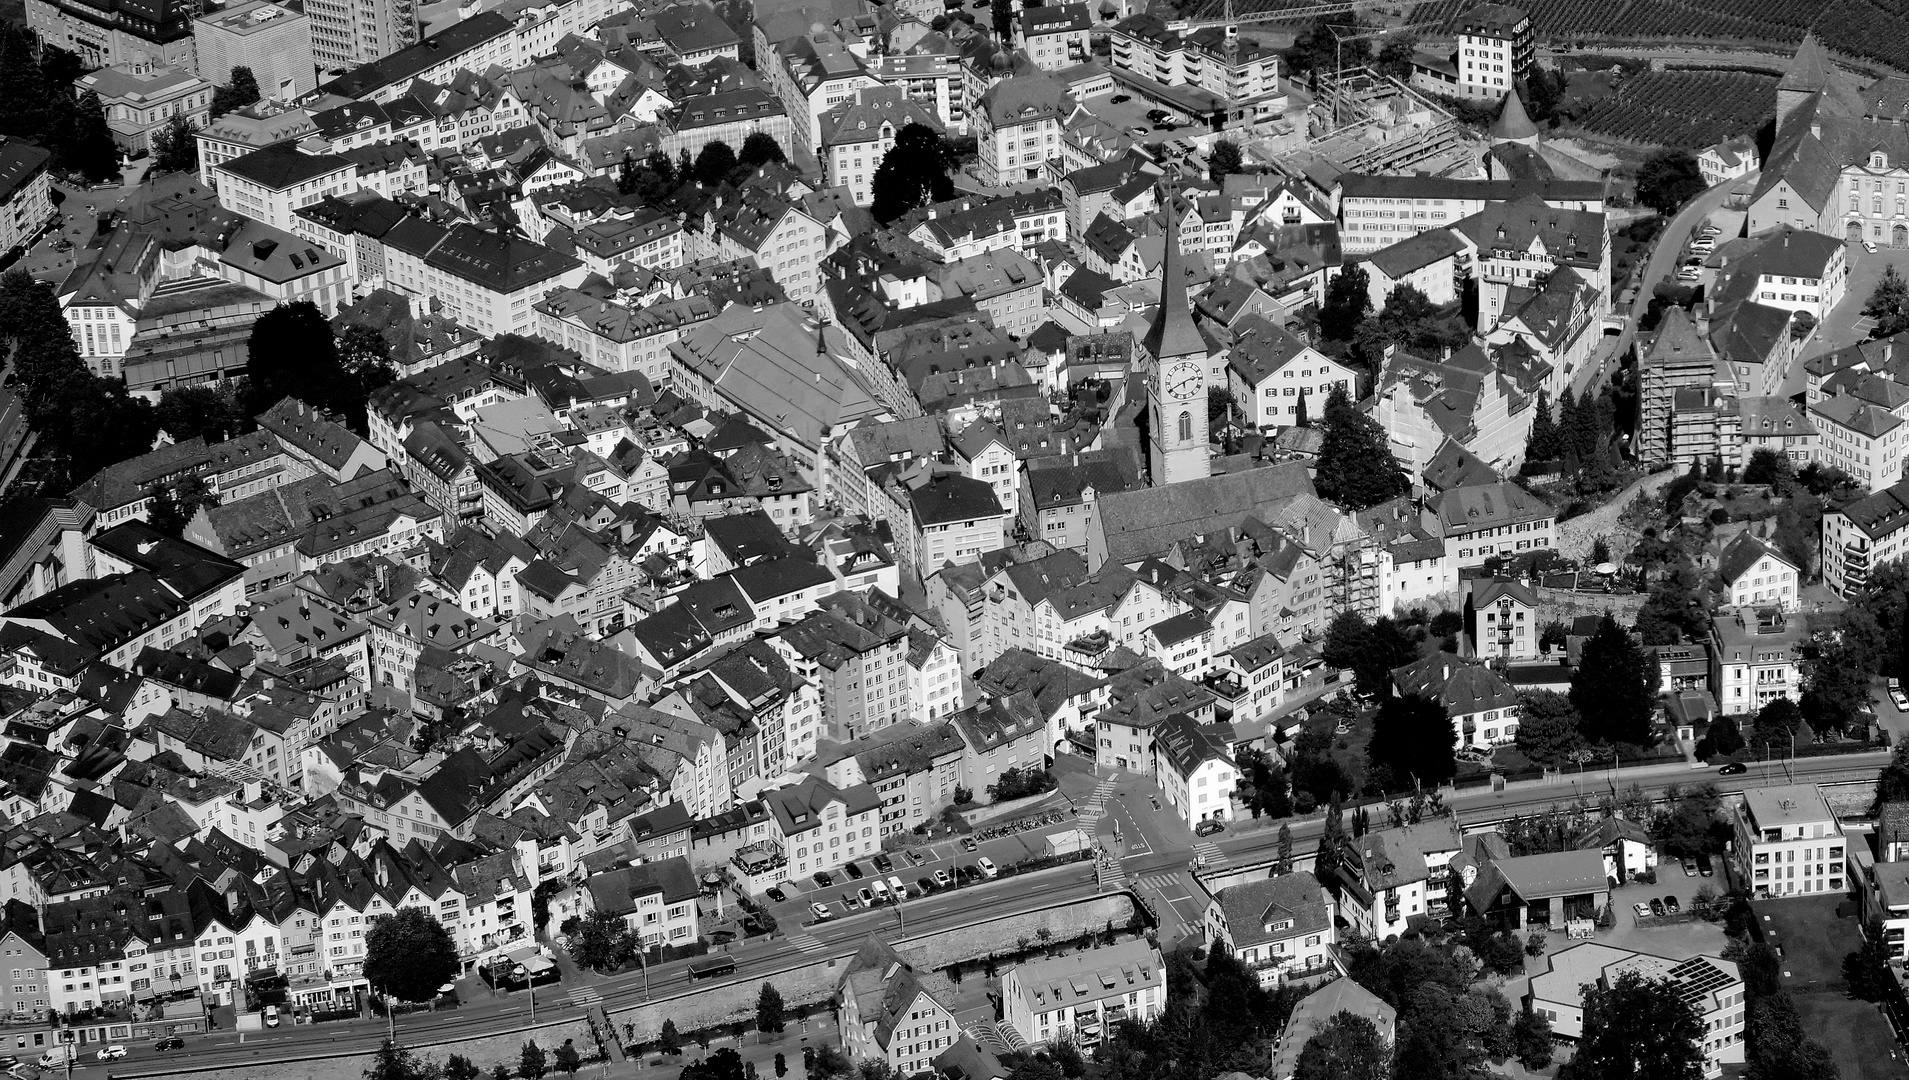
(1662, 263)
(841, 936)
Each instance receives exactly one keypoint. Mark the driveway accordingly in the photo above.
(1662, 266)
(1846, 325)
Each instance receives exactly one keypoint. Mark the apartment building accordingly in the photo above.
(857, 134)
(955, 519)
(1758, 575)
(1863, 535)
(821, 827)
(656, 900)
(1495, 50)
(1242, 72)
(1274, 375)
(1756, 658)
(1017, 124)
(1376, 211)
(1279, 927)
(141, 100)
(347, 33)
(483, 280)
(1712, 986)
(1489, 519)
(269, 183)
(26, 199)
(1080, 997)
(1055, 38)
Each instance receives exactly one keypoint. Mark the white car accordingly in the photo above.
(1901, 699)
(821, 912)
(987, 866)
(1869, 247)
(942, 879)
(108, 1053)
(1642, 910)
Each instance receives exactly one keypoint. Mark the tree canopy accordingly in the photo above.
(760, 148)
(292, 353)
(174, 149)
(1413, 739)
(408, 955)
(1348, 302)
(1548, 728)
(1637, 1027)
(1356, 468)
(1348, 1047)
(715, 163)
(241, 89)
(1224, 160)
(913, 173)
(1888, 304)
(1667, 179)
(1615, 687)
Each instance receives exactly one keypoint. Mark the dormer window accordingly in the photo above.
(1878, 160)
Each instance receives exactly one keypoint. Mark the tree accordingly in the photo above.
(761, 148)
(292, 353)
(567, 1058)
(1395, 57)
(601, 941)
(174, 504)
(499, 1071)
(1285, 864)
(530, 1062)
(408, 955)
(1776, 723)
(1866, 970)
(667, 1039)
(1300, 419)
(1413, 738)
(1667, 179)
(1409, 320)
(1888, 304)
(89, 147)
(393, 1062)
(1545, 441)
(365, 356)
(724, 1064)
(1531, 1036)
(1348, 1047)
(1615, 687)
(1348, 302)
(1693, 824)
(1723, 739)
(240, 90)
(1768, 467)
(1548, 728)
(1019, 783)
(1356, 468)
(913, 173)
(1637, 1028)
(174, 149)
(1003, 24)
(459, 1067)
(714, 163)
(1224, 160)
(769, 1010)
(199, 411)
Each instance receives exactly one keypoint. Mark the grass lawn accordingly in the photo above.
(1813, 942)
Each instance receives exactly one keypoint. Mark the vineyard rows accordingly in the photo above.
(1869, 29)
(1690, 109)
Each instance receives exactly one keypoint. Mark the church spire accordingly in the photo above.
(1173, 332)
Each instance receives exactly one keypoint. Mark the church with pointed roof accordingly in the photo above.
(1840, 162)
(1176, 377)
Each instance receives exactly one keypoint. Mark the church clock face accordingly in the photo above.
(1183, 380)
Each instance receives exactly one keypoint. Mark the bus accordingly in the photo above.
(711, 966)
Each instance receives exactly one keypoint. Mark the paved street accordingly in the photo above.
(1846, 324)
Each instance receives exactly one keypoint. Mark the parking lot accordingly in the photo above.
(1129, 112)
(922, 871)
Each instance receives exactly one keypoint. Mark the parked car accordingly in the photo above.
(867, 898)
(821, 912)
(1670, 904)
(854, 872)
(1656, 906)
(1209, 827)
(1122, 99)
(850, 901)
(1705, 867)
(271, 1016)
(823, 879)
(968, 844)
(1901, 699)
(110, 1053)
(170, 1042)
(1690, 868)
(775, 894)
(1138, 132)
(914, 856)
(986, 866)
(881, 889)
(925, 886)
(1642, 909)
(1869, 247)
(942, 879)
(1734, 768)
(882, 863)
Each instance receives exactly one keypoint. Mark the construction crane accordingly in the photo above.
(1343, 34)
(1233, 21)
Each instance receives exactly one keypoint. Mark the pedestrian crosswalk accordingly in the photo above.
(1166, 884)
(585, 996)
(1091, 811)
(1208, 855)
(806, 943)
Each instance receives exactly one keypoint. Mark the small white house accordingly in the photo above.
(1195, 770)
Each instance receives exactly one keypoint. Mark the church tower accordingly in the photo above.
(1176, 381)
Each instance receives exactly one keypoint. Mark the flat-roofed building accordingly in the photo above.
(275, 42)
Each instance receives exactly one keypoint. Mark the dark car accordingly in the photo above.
(776, 895)
(854, 872)
(1670, 904)
(1735, 768)
(170, 1042)
(1704, 867)
(1656, 906)
(1121, 99)
(1208, 827)
(823, 879)
(968, 844)
(883, 863)
(926, 885)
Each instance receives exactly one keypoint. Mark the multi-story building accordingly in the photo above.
(242, 131)
(820, 827)
(893, 1012)
(1376, 211)
(1277, 378)
(1280, 927)
(656, 900)
(26, 200)
(270, 183)
(485, 280)
(618, 337)
(856, 656)
(1502, 618)
(141, 99)
(1862, 439)
(813, 74)
(1055, 37)
(274, 42)
(1241, 72)
(956, 519)
(104, 34)
(1758, 575)
(1017, 126)
(1482, 706)
(1387, 878)
(1756, 658)
(1711, 985)
(1863, 535)
(1490, 519)
(1495, 50)
(347, 33)
(1079, 998)
(858, 133)
(1788, 842)
(1194, 769)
